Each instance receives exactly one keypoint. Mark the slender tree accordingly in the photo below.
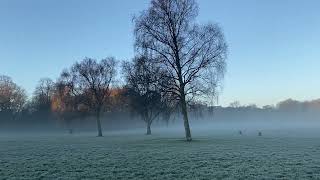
(144, 90)
(186, 50)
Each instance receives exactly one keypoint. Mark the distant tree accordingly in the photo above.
(235, 104)
(268, 107)
(197, 109)
(118, 101)
(42, 96)
(170, 108)
(167, 30)
(144, 89)
(63, 104)
(12, 97)
(92, 80)
(252, 106)
(290, 105)
(313, 105)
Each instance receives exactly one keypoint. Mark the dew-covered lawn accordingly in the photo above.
(118, 156)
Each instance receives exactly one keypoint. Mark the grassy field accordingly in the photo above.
(132, 156)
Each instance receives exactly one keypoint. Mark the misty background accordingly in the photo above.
(273, 57)
(273, 45)
(36, 113)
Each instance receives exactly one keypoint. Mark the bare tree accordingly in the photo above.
(235, 104)
(184, 49)
(45, 89)
(93, 81)
(42, 95)
(144, 90)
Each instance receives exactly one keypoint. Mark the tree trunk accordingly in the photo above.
(185, 118)
(148, 128)
(99, 123)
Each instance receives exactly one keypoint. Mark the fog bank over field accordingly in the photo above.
(204, 121)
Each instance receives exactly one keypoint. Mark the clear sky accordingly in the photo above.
(274, 45)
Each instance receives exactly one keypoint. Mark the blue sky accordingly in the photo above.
(273, 44)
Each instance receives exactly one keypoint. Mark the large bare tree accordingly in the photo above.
(168, 31)
(92, 80)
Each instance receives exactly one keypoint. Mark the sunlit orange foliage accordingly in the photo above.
(59, 102)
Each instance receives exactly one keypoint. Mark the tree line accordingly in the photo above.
(177, 61)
